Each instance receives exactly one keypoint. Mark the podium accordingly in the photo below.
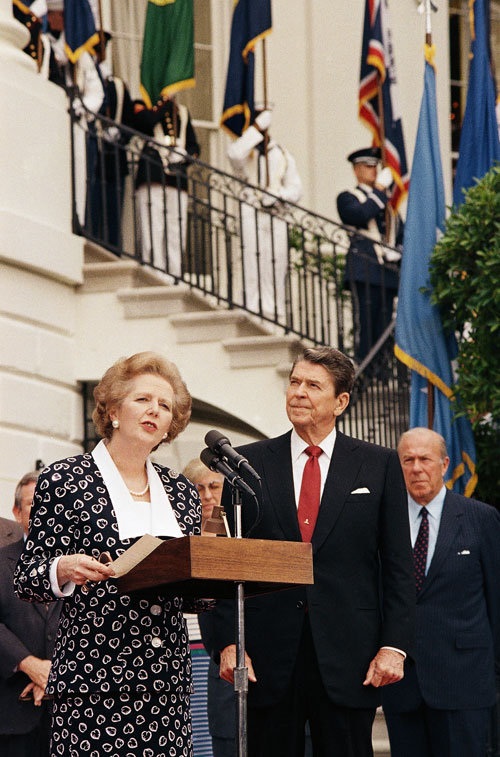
(198, 566)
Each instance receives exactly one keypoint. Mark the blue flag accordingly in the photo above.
(79, 29)
(420, 341)
(251, 22)
(479, 144)
(378, 69)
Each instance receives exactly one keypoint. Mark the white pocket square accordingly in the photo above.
(361, 490)
(464, 552)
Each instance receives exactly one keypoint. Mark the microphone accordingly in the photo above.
(216, 464)
(221, 445)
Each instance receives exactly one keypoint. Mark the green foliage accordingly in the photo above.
(465, 274)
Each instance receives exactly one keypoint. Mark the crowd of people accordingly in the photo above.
(404, 609)
(158, 168)
(405, 606)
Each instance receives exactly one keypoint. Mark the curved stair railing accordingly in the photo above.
(318, 308)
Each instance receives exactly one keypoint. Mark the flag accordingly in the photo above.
(167, 64)
(251, 22)
(420, 341)
(377, 64)
(79, 29)
(479, 144)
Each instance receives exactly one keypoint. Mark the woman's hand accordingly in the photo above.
(82, 568)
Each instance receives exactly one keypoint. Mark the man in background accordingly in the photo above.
(371, 273)
(27, 635)
(442, 705)
(258, 159)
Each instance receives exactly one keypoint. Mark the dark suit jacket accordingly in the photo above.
(361, 262)
(358, 539)
(24, 629)
(458, 615)
(150, 167)
(106, 641)
(10, 531)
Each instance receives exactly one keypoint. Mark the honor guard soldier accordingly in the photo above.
(371, 273)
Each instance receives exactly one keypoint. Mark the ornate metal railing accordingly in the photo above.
(231, 239)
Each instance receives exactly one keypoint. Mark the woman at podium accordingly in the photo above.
(121, 672)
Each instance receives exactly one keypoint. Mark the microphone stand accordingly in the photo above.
(240, 671)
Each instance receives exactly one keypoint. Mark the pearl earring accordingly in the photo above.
(115, 423)
(165, 436)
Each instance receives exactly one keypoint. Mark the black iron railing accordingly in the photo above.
(244, 248)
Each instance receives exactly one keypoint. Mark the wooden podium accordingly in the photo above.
(198, 566)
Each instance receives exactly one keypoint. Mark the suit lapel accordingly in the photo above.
(448, 530)
(278, 476)
(344, 466)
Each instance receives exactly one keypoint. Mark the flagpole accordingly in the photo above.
(430, 386)
(428, 22)
(101, 35)
(381, 121)
(264, 82)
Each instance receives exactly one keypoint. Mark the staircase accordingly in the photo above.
(222, 354)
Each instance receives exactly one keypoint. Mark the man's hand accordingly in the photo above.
(228, 662)
(38, 670)
(386, 667)
(38, 693)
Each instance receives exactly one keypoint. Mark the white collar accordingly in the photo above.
(162, 520)
(298, 445)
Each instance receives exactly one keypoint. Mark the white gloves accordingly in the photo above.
(177, 154)
(263, 120)
(112, 133)
(384, 178)
(39, 8)
(392, 256)
(78, 108)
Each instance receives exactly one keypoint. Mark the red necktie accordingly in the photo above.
(310, 494)
(420, 549)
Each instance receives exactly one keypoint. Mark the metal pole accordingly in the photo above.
(266, 134)
(430, 387)
(381, 121)
(240, 671)
(428, 22)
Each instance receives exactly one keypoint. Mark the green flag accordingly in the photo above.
(167, 64)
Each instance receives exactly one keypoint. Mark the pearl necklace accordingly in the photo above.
(140, 494)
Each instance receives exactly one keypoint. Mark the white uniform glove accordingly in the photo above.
(39, 8)
(177, 154)
(392, 256)
(112, 133)
(263, 120)
(384, 178)
(78, 108)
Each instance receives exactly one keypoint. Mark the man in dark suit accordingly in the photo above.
(9, 531)
(320, 653)
(371, 272)
(442, 705)
(27, 634)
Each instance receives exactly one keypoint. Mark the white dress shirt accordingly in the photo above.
(434, 508)
(300, 458)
